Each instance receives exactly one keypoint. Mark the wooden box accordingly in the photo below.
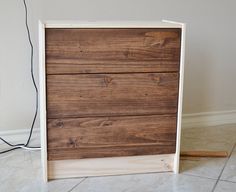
(110, 97)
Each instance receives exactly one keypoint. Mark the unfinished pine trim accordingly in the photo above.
(113, 24)
(180, 98)
(42, 101)
(110, 166)
(114, 165)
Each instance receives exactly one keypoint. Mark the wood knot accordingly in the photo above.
(106, 123)
(73, 142)
(160, 39)
(156, 79)
(126, 53)
(60, 124)
(107, 80)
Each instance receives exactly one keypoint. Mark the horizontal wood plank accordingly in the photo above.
(115, 151)
(71, 51)
(111, 94)
(75, 138)
(109, 166)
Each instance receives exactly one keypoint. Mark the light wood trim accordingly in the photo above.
(180, 97)
(42, 100)
(111, 24)
(110, 166)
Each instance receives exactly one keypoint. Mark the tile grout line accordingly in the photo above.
(199, 176)
(227, 181)
(77, 184)
(218, 179)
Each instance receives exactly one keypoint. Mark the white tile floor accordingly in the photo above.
(20, 170)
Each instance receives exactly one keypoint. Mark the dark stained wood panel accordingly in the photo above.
(74, 138)
(111, 94)
(116, 151)
(112, 50)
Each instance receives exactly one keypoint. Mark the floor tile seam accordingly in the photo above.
(203, 177)
(231, 152)
(77, 184)
(227, 181)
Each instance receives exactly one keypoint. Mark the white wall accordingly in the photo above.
(210, 52)
(17, 97)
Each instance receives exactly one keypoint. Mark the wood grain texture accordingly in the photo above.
(109, 166)
(111, 94)
(75, 138)
(213, 154)
(71, 51)
(113, 99)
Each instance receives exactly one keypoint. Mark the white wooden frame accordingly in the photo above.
(114, 165)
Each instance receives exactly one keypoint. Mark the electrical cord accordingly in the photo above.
(11, 145)
(21, 145)
(32, 72)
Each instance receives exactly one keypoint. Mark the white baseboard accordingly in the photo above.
(208, 119)
(19, 135)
